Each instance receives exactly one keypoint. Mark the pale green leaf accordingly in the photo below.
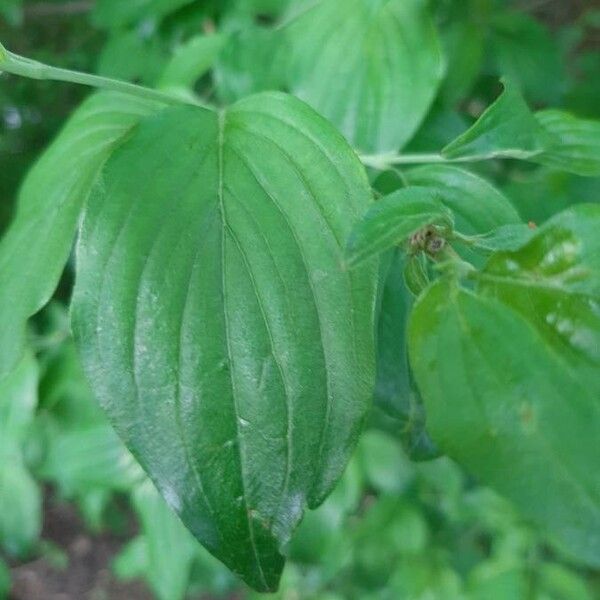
(192, 60)
(522, 417)
(20, 505)
(576, 148)
(506, 129)
(230, 349)
(35, 248)
(372, 67)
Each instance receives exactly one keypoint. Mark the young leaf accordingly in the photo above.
(476, 205)
(372, 67)
(576, 148)
(507, 129)
(393, 220)
(526, 427)
(191, 61)
(231, 351)
(35, 248)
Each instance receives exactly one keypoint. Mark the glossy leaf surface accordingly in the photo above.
(35, 249)
(229, 348)
(372, 67)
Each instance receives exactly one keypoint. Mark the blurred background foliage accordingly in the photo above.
(78, 519)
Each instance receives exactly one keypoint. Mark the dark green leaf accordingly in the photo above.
(576, 148)
(516, 413)
(507, 129)
(393, 220)
(115, 14)
(526, 52)
(229, 348)
(35, 248)
(372, 67)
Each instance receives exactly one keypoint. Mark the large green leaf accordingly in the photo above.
(372, 67)
(230, 349)
(34, 250)
(521, 414)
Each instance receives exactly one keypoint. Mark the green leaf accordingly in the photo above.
(372, 67)
(12, 11)
(88, 459)
(167, 572)
(476, 205)
(505, 237)
(393, 220)
(576, 148)
(192, 60)
(18, 401)
(39, 240)
(554, 282)
(516, 413)
(254, 59)
(20, 505)
(525, 51)
(506, 129)
(231, 351)
(115, 14)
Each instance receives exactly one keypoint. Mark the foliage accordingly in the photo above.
(314, 207)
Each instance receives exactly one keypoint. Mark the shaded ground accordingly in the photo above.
(87, 576)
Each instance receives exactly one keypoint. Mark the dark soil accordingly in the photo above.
(88, 575)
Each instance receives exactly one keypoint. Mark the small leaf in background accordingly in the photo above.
(393, 220)
(20, 505)
(133, 56)
(463, 34)
(20, 496)
(12, 11)
(253, 59)
(520, 415)
(506, 129)
(39, 239)
(169, 546)
(191, 61)
(527, 53)
(372, 67)
(18, 401)
(115, 14)
(241, 394)
(576, 148)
